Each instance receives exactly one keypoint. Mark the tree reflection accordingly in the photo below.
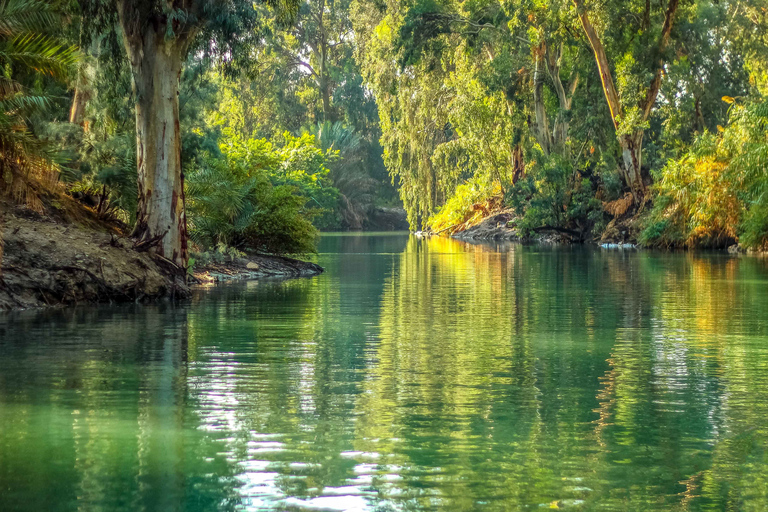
(415, 375)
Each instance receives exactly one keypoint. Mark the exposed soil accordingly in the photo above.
(499, 226)
(51, 260)
(622, 230)
(254, 267)
(502, 226)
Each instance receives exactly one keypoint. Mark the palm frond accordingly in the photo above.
(27, 166)
(18, 16)
(40, 52)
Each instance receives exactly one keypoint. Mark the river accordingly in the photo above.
(413, 375)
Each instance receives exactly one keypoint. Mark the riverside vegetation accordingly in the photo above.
(189, 129)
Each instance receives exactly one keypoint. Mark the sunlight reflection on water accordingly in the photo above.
(414, 375)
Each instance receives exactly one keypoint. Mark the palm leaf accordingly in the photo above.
(42, 53)
(18, 16)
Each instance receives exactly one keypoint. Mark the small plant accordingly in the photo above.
(220, 255)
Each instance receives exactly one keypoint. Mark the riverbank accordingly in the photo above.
(255, 267)
(622, 233)
(501, 226)
(66, 256)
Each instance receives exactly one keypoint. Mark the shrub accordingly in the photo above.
(717, 192)
(554, 194)
(254, 197)
(468, 205)
(290, 161)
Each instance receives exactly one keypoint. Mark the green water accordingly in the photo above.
(413, 375)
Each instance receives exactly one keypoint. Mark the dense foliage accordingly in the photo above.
(254, 196)
(576, 115)
(717, 192)
(569, 110)
(31, 53)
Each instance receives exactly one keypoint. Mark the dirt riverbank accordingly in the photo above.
(52, 259)
(255, 267)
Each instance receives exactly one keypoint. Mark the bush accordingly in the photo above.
(555, 194)
(254, 197)
(717, 192)
(291, 161)
(468, 205)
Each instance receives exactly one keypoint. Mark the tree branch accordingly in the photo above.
(603, 66)
(655, 87)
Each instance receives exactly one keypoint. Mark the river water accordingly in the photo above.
(413, 375)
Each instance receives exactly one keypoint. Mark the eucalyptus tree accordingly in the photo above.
(157, 36)
(633, 40)
(462, 87)
(320, 43)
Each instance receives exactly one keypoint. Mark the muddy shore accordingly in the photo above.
(51, 261)
(255, 267)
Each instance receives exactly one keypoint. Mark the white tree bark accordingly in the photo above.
(156, 63)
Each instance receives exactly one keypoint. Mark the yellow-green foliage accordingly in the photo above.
(28, 46)
(715, 194)
(468, 205)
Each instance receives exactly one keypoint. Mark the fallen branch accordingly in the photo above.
(4, 286)
(80, 269)
(565, 231)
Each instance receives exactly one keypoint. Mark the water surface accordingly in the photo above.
(413, 375)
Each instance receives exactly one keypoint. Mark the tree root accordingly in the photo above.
(145, 245)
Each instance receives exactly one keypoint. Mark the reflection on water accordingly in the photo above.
(413, 375)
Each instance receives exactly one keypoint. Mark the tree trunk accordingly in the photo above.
(603, 66)
(518, 164)
(543, 135)
(325, 82)
(699, 124)
(325, 92)
(634, 175)
(156, 68)
(564, 97)
(77, 111)
(632, 144)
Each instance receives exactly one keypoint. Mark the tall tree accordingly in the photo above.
(157, 36)
(320, 42)
(631, 107)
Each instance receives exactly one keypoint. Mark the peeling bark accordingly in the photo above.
(635, 176)
(156, 64)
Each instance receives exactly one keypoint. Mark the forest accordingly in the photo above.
(217, 127)
(384, 255)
